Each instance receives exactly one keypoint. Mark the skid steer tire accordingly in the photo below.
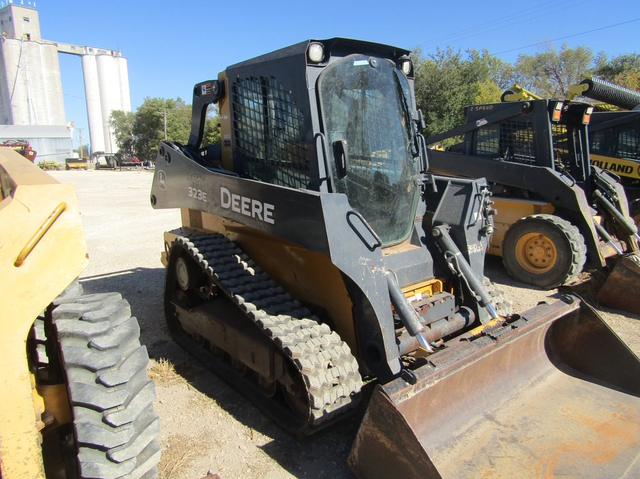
(544, 251)
(114, 423)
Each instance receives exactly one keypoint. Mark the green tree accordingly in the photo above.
(623, 70)
(82, 151)
(122, 124)
(149, 126)
(446, 82)
(488, 92)
(551, 73)
(155, 120)
(629, 80)
(212, 127)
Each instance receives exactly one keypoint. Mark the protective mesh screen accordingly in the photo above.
(619, 142)
(562, 143)
(509, 141)
(269, 131)
(629, 141)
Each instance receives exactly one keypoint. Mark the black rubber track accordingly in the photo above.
(503, 305)
(110, 392)
(322, 360)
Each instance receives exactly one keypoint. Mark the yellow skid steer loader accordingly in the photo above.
(76, 401)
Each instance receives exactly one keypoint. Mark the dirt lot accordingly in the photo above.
(207, 428)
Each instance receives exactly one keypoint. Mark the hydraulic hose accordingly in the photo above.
(607, 237)
(611, 93)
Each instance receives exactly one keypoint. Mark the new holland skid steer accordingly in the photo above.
(318, 251)
(614, 131)
(614, 135)
(613, 146)
(557, 212)
(76, 401)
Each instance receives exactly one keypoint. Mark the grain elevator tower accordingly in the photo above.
(30, 83)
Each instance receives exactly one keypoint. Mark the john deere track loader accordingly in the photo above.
(557, 212)
(318, 251)
(75, 401)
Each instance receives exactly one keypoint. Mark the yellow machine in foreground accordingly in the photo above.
(76, 401)
(318, 253)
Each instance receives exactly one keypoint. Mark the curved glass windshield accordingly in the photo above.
(365, 112)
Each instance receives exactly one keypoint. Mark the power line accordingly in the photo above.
(500, 23)
(568, 36)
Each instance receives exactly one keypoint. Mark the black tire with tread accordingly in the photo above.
(115, 426)
(571, 250)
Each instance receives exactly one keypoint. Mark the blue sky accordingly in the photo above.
(170, 46)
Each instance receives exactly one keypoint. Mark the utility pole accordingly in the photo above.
(165, 124)
(80, 138)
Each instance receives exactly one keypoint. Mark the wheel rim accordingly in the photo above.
(182, 274)
(536, 253)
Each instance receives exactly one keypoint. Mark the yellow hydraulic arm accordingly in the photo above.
(518, 93)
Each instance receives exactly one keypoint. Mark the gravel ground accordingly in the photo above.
(207, 428)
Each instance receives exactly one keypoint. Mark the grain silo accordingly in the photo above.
(31, 90)
(30, 84)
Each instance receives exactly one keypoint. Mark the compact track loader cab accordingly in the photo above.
(76, 401)
(557, 213)
(317, 250)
